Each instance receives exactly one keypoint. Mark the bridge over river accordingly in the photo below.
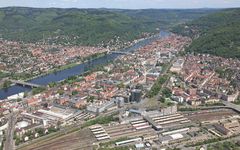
(23, 83)
(120, 52)
(21, 86)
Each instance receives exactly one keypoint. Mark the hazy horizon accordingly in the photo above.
(123, 4)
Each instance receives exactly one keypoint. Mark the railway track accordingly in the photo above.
(81, 140)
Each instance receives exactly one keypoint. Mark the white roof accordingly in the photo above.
(22, 124)
(139, 145)
(176, 136)
(55, 114)
(175, 131)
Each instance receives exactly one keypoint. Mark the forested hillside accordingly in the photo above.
(86, 26)
(216, 34)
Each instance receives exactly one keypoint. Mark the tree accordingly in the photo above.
(90, 99)
(52, 84)
(167, 92)
(60, 92)
(6, 84)
(19, 100)
(162, 100)
(17, 140)
(25, 94)
(74, 93)
(121, 85)
(40, 131)
(38, 90)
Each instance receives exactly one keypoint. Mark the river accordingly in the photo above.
(77, 70)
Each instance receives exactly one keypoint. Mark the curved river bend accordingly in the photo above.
(77, 70)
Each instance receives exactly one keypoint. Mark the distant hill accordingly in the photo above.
(87, 26)
(217, 33)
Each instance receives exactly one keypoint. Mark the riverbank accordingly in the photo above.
(27, 77)
(78, 69)
(71, 65)
(61, 68)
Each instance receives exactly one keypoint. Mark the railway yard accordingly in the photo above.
(209, 115)
(77, 140)
(175, 127)
(163, 130)
(153, 130)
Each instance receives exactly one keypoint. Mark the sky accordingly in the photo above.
(124, 4)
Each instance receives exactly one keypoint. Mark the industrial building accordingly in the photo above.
(221, 129)
(100, 107)
(183, 130)
(177, 66)
(135, 129)
(128, 141)
(228, 126)
(140, 124)
(169, 139)
(166, 121)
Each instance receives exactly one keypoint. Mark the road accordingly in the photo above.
(231, 105)
(9, 143)
(205, 81)
(190, 76)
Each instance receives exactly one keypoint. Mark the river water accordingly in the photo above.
(77, 70)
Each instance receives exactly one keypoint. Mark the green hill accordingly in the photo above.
(86, 26)
(216, 34)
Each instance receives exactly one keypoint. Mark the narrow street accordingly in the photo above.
(9, 144)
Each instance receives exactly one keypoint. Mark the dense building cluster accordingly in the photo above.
(35, 59)
(154, 97)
